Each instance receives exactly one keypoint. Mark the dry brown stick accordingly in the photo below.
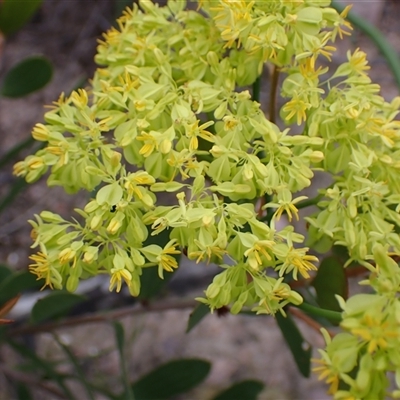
(31, 380)
(104, 317)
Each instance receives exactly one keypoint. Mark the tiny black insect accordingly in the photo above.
(113, 208)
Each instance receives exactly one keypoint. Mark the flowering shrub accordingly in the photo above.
(168, 112)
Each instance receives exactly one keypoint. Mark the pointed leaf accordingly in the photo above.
(301, 350)
(4, 272)
(171, 379)
(17, 283)
(14, 14)
(54, 305)
(248, 390)
(329, 281)
(29, 75)
(197, 315)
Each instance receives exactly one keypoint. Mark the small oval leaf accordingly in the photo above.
(110, 194)
(16, 283)
(248, 390)
(54, 305)
(15, 14)
(171, 379)
(29, 75)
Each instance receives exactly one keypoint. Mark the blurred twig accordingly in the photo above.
(104, 317)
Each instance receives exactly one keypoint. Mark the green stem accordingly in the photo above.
(378, 38)
(333, 316)
(257, 89)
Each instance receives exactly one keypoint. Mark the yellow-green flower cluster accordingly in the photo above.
(145, 109)
(164, 115)
(356, 364)
(361, 146)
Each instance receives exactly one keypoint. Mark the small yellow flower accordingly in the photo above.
(344, 22)
(35, 162)
(165, 260)
(66, 255)
(150, 144)
(40, 133)
(326, 373)
(79, 98)
(375, 331)
(113, 226)
(358, 62)
(259, 249)
(194, 131)
(206, 252)
(41, 268)
(20, 169)
(296, 107)
(287, 205)
(299, 262)
(117, 276)
(308, 71)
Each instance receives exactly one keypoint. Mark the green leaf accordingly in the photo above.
(109, 194)
(29, 75)
(329, 281)
(16, 283)
(151, 284)
(4, 272)
(54, 305)
(171, 379)
(310, 15)
(197, 315)
(14, 14)
(301, 350)
(245, 390)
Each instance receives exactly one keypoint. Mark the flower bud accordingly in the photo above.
(316, 156)
(40, 133)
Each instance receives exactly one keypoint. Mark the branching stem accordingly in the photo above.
(104, 317)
